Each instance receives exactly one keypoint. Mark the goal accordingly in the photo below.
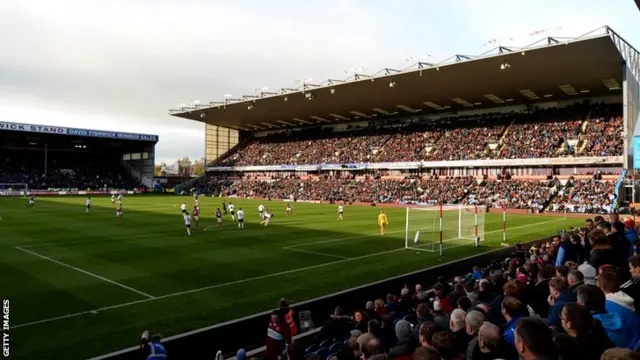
(14, 189)
(441, 227)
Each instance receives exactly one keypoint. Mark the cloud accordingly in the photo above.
(121, 64)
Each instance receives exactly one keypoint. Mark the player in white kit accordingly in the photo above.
(289, 211)
(240, 219)
(340, 211)
(232, 211)
(261, 211)
(120, 197)
(187, 222)
(266, 218)
(113, 198)
(88, 207)
(183, 208)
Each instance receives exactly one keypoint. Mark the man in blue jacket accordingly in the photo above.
(620, 331)
(570, 249)
(512, 312)
(617, 302)
(559, 294)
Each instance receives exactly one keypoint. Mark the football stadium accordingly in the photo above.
(450, 210)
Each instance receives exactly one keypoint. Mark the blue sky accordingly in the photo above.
(121, 64)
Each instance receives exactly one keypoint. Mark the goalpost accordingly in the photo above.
(14, 189)
(435, 228)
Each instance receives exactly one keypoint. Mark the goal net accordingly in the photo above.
(14, 189)
(442, 227)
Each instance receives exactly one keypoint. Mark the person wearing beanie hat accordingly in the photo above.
(589, 274)
(630, 233)
(241, 355)
(406, 344)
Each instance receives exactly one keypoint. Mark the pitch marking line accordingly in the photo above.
(95, 311)
(87, 273)
(315, 253)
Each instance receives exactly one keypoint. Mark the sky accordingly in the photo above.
(121, 64)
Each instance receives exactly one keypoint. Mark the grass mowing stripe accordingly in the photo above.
(87, 273)
(247, 280)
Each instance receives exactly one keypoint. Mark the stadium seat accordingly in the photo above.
(311, 349)
(330, 356)
(336, 346)
(322, 352)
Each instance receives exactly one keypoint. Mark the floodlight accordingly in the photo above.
(202, 115)
(392, 84)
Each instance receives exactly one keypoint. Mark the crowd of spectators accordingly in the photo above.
(573, 297)
(603, 137)
(577, 130)
(585, 196)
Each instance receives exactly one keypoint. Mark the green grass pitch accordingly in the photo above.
(81, 285)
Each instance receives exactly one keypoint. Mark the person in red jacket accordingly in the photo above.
(278, 336)
(289, 316)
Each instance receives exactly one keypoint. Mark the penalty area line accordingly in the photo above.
(314, 253)
(87, 273)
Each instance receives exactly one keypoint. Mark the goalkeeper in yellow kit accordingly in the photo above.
(382, 221)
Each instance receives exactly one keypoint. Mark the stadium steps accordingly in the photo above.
(506, 131)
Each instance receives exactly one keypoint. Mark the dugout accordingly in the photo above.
(38, 154)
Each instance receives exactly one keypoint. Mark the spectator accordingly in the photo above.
(426, 334)
(439, 317)
(577, 323)
(533, 339)
(370, 310)
(426, 353)
(601, 253)
(559, 295)
(474, 321)
(570, 250)
(379, 307)
(540, 295)
(575, 279)
(512, 312)
(630, 233)
(422, 316)
(488, 345)
(632, 287)
(620, 303)
(289, 316)
(360, 321)
(562, 272)
(421, 295)
(620, 354)
(459, 329)
(566, 347)
(445, 343)
(588, 273)
(464, 303)
(337, 327)
(622, 332)
(372, 350)
(278, 336)
(405, 346)
(617, 241)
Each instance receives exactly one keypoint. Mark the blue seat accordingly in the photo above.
(325, 343)
(322, 352)
(330, 356)
(311, 349)
(336, 346)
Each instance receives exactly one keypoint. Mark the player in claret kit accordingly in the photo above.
(219, 217)
(196, 201)
(224, 207)
(119, 210)
(196, 214)
(289, 210)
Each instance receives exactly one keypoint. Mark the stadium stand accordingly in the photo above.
(542, 133)
(50, 158)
